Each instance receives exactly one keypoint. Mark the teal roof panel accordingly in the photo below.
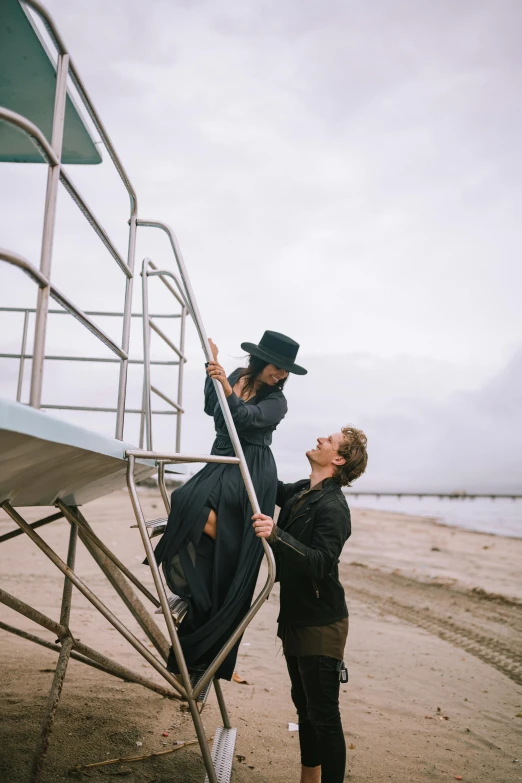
(27, 86)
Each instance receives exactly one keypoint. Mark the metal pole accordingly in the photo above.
(75, 519)
(53, 180)
(61, 667)
(22, 358)
(229, 421)
(108, 665)
(146, 354)
(127, 317)
(114, 669)
(50, 710)
(33, 614)
(245, 473)
(180, 375)
(95, 601)
(176, 646)
(65, 613)
(129, 598)
(163, 488)
(34, 525)
(222, 705)
(142, 416)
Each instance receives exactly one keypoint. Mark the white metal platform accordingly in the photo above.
(44, 459)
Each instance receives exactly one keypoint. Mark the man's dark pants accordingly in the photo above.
(315, 693)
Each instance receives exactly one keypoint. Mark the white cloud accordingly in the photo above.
(346, 173)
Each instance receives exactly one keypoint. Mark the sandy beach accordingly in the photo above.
(434, 655)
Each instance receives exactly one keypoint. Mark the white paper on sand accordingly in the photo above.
(293, 727)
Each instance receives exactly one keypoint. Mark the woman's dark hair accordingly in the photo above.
(250, 373)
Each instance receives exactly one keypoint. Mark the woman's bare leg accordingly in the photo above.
(211, 525)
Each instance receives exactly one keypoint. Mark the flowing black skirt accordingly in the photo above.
(216, 578)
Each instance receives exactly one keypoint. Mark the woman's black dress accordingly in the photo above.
(217, 578)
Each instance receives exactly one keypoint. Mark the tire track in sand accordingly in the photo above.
(487, 649)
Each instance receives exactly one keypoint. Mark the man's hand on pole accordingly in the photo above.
(263, 525)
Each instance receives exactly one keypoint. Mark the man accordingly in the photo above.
(313, 526)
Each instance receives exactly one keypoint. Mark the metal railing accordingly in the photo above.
(51, 153)
(193, 691)
(149, 269)
(22, 356)
(184, 296)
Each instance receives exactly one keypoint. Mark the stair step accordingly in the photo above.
(195, 676)
(156, 526)
(223, 753)
(178, 608)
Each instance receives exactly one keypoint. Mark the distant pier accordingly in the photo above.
(441, 495)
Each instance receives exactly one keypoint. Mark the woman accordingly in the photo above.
(209, 552)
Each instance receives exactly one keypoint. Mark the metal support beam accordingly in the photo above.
(33, 525)
(126, 328)
(183, 326)
(65, 613)
(33, 614)
(162, 487)
(50, 710)
(222, 705)
(95, 660)
(95, 601)
(146, 402)
(176, 646)
(22, 358)
(126, 593)
(53, 180)
(73, 515)
(61, 667)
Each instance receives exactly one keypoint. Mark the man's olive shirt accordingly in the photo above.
(304, 640)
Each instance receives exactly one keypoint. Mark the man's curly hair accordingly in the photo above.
(353, 449)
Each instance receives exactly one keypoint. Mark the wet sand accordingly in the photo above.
(434, 654)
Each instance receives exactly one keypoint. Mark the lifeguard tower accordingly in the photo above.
(46, 461)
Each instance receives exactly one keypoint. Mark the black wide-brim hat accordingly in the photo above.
(277, 349)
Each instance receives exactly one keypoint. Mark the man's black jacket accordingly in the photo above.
(307, 545)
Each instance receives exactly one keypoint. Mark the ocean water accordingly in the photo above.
(500, 517)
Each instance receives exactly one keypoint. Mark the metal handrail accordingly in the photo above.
(93, 221)
(149, 269)
(22, 263)
(33, 132)
(162, 274)
(167, 399)
(87, 312)
(36, 275)
(92, 409)
(100, 359)
(43, 146)
(245, 474)
(170, 457)
(61, 48)
(66, 67)
(166, 339)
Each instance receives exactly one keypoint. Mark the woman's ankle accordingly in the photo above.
(310, 774)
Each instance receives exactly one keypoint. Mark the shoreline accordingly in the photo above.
(501, 517)
(434, 520)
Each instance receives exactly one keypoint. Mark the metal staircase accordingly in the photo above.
(219, 762)
(86, 464)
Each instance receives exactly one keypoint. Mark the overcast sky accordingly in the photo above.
(348, 173)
